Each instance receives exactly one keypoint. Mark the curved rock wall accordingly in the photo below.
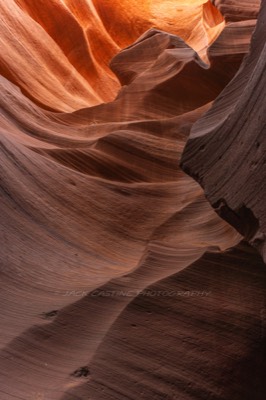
(97, 215)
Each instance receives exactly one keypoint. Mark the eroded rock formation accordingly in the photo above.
(226, 151)
(96, 211)
(58, 51)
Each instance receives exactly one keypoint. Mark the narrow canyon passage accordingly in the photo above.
(97, 213)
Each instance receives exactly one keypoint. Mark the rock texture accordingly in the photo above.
(226, 151)
(99, 224)
(206, 339)
(58, 52)
(232, 10)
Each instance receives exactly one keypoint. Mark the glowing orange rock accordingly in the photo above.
(61, 59)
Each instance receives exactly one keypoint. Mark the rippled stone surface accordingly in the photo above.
(118, 277)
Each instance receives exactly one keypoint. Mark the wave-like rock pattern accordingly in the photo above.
(226, 151)
(205, 339)
(232, 10)
(93, 200)
(58, 52)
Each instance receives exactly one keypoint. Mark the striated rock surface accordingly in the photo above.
(226, 151)
(199, 334)
(58, 52)
(233, 10)
(97, 216)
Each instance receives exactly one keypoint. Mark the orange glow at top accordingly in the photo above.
(72, 43)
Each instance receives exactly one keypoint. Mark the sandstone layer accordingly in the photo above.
(226, 151)
(97, 215)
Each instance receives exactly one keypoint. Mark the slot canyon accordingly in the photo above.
(133, 192)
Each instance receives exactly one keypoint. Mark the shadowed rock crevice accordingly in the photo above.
(242, 219)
